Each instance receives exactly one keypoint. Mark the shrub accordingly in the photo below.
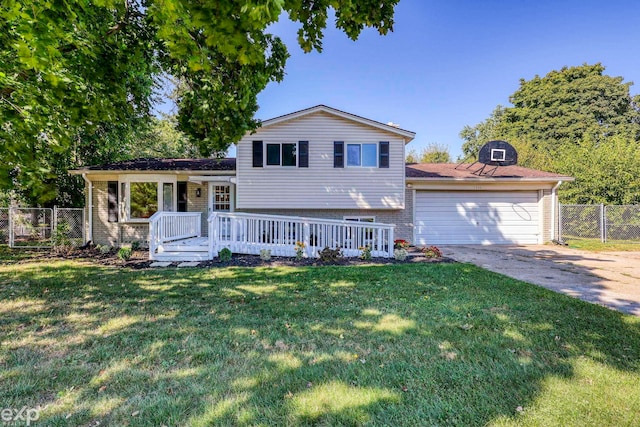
(124, 253)
(328, 255)
(104, 249)
(265, 254)
(400, 254)
(400, 244)
(365, 253)
(61, 240)
(135, 245)
(299, 248)
(432, 252)
(225, 255)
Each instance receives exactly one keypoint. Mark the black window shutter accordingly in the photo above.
(383, 153)
(338, 154)
(257, 154)
(112, 201)
(303, 154)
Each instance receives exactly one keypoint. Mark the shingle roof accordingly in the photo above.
(466, 171)
(227, 164)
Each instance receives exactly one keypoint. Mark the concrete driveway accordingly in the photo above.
(611, 279)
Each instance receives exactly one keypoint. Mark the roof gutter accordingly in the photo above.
(555, 209)
(90, 203)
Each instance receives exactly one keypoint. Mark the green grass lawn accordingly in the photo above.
(596, 245)
(412, 344)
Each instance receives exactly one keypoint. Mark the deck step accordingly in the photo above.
(173, 247)
(182, 256)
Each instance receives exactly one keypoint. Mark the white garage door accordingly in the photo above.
(476, 217)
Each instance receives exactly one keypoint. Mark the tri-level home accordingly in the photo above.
(316, 177)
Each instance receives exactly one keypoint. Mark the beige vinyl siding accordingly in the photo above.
(320, 186)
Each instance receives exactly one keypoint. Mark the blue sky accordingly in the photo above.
(450, 63)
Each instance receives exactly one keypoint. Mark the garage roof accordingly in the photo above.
(455, 171)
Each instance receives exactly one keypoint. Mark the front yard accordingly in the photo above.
(410, 344)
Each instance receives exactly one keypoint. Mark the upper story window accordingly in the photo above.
(281, 154)
(361, 155)
(290, 154)
(364, 155)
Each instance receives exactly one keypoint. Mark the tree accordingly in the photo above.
(164, 140)
(71, 69)
(568, 105)
(476, 136)
(607, 171)
(576, 121)
(432, 153)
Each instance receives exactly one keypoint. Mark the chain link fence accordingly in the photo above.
(42, 227)
(4, 226)
(613, 223)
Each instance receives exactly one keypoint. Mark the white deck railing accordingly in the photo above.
(250, 233)
(170, 226)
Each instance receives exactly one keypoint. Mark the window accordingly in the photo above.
(167, 196)
(282, 154)
(360, 218)
(368, 232)
(222, 198)
(143, 199)
(363, 155)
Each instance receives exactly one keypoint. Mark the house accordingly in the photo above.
(320, 166)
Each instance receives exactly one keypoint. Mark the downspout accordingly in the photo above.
(90, 213)
(554, 203)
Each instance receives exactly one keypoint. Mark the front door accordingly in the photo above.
(221, 199)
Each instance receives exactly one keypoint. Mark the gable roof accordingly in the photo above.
(465, 172)
(408, 135)
(226, 164)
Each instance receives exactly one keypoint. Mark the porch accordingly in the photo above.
(177, 236)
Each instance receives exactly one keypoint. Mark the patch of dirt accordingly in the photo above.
(140, 259)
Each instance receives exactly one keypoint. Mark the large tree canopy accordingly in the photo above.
(578, 121)
(74, 69)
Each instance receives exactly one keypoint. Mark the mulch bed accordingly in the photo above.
(140, 259)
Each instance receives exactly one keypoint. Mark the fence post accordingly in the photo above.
(11, 236)
(602, 223)
(54, 222)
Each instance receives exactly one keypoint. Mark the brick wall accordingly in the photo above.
(198, 204)
(104, 232)
(403, 219)
(115, 233)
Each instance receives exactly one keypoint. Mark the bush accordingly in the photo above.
(299, 248)
(400, 244)
(328, 255)
(225, 255)
(365, 253)
(265, 254)
(104, 249)
(400, 254)
(432, 252)
(61, 240)
(124, 253)
(135, 245)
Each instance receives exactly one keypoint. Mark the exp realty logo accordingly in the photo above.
(17, 417)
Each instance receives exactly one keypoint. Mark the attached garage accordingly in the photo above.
(459, 205)
(477, 217)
